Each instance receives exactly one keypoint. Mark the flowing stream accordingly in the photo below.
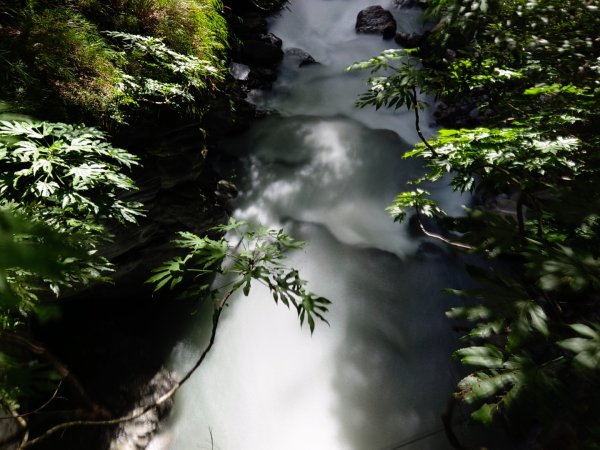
(380, 376)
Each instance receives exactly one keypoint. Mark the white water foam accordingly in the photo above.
(382, 373)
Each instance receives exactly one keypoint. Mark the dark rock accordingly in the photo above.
(467, 111)
(222, 120)
(410, 40)
(262, 53)
(249, 24)
(376, 20)
(272, 39)
(303, 58)
(410, 4)
(226, 191)
(453, 115)
(429, 250)
(264, 73)
(261, 78)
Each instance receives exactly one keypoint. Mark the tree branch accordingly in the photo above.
(57, 365)
(418, 124)
(440, 237)
(23, 426)
(162, 399)
(35, 411)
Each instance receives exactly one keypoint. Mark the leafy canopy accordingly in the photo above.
(521, 79)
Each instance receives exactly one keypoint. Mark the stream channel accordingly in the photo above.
(382, 373)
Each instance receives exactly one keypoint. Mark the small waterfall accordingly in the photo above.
(382, 373)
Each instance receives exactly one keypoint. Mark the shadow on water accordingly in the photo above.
(393, 368)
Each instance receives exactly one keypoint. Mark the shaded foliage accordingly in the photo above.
(248, 254)
(528, 71)
(59, 190)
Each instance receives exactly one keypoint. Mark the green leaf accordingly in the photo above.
(485, 356)
(486, 413)
(480, 386)
(585, 330)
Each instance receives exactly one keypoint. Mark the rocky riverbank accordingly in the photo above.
(115, 338)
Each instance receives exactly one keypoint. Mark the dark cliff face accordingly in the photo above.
(116, 337)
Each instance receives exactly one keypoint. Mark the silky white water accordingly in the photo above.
(382, 373)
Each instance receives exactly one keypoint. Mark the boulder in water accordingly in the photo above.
(264, 51)
(225, 191)
(376, 20)
(410, 4)
(410, 40)
(303, 58)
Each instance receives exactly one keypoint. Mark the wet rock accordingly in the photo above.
(261, 78)
(271, 39)
(261, 52)
(303, 58)
(239, 71)
(376, 20)
(410, 40)
(137, 434)
(226, 191)
(410, 4)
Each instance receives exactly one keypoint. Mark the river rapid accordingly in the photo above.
(381, 374)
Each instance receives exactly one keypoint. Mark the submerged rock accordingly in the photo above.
(376, 20)
(410, 40)
(303, 58)
(410, 4)
(261, 52)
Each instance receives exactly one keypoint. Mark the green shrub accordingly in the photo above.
(68, 177)
(71, 56)
(190, 27)
(61, 62)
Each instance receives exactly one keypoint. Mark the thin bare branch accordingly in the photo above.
(441, 238)
(418, 123)
(23, 426)
(57, 365)
(38, 409)
(162, 399)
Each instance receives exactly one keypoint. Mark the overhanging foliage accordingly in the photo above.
(528, 73)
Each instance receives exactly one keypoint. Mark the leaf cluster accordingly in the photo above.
(70, 178)
(155, 74)
(249, 254)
